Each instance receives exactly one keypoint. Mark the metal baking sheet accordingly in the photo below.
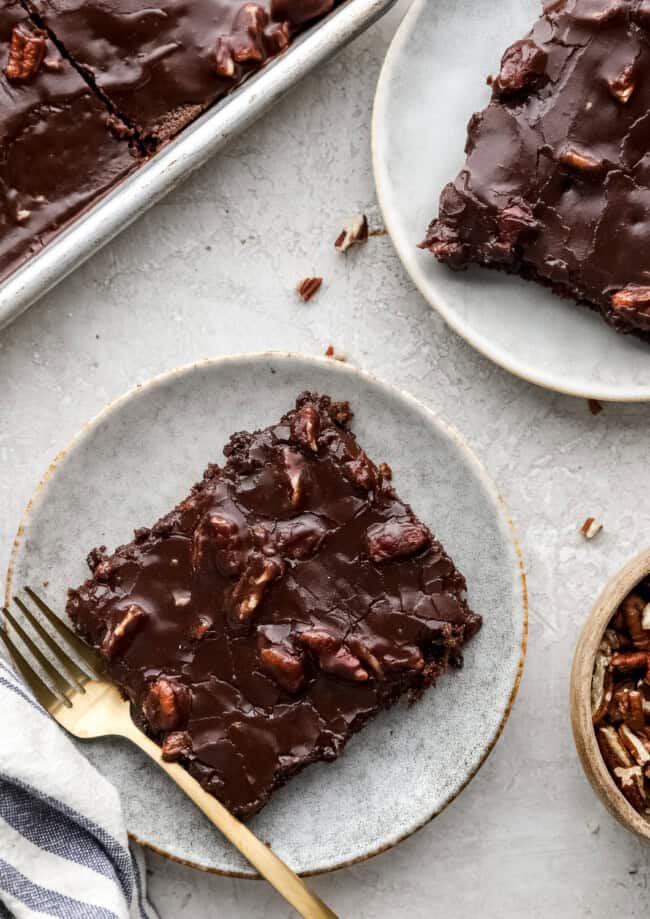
(180, 157)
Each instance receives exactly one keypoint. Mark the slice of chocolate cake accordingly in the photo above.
(272, 613)
(556, 184)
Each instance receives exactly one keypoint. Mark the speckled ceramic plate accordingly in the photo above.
(139, 457)
(432, 81)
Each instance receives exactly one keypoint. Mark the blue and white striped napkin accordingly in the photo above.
(64, 849)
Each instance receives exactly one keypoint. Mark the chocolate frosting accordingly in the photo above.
(556, 184)
(99, 84)
(161, 64)
(59, 149)
(266, 618)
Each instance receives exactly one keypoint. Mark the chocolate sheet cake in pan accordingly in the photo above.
(89, 91)
(59, 145)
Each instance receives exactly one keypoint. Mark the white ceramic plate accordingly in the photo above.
(140, 456)
(433, 79)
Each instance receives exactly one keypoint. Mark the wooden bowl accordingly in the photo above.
(580, 694)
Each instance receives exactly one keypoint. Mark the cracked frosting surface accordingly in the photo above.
(556, 184)
(100, 84)
(57, 146)
(264, 620)
(161, 64)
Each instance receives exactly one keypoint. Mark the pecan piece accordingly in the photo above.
(626, 662)
(224, 63)
(166, 704)
(618, 706)
(200, 540)
(277, 37)
(623, 86)
(331, 351)
(305, 427)
(248, 29)
(320, 641)
(633, 610)
(582, 162)
(398, 538)
(362, 471)
(591, 527)
(333, 656)
(246, 41)
(26, 53)
(176, 745)
(345, 665)
(631, 783)
(300, 538)
(224, 536)
(634, 745)
(247, 593)
(610, 641)
(284, 668)
(228, 544)
(522, 67)
(613, 751)
(131, 619)
(633, 303)
(364, 654)
(199, 628)
(601, 687)
(294, 465)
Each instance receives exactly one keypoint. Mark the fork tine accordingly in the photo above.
(64, 664)
(31, 678)
(35, 679)
(83, 655)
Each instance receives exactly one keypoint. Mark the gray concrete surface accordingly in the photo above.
(211, 270)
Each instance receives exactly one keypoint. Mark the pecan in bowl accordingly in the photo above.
(610, 696)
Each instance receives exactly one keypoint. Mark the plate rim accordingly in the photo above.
(406, 252)
(447, 429)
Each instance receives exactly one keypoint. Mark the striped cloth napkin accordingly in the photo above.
(64, 849)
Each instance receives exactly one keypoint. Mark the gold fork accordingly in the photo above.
(65, 676)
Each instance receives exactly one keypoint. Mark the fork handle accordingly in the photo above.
(262, 858)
